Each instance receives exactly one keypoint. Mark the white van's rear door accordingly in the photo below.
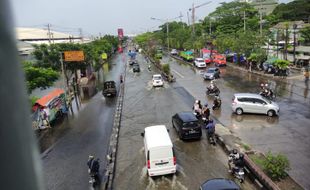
(161, 161)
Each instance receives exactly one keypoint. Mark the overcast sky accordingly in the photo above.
(104, 16)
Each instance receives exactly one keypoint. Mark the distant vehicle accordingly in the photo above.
(219, 60)
(206, 55)
(212, 73)
(136, 68)
(174, 52)
(159, 154)
(254, 103)
(133, 61)
(186, 125)
(109, 89)
(187, 55)
(219, 184)
(157, 80)
(200, 63)
(159, 53)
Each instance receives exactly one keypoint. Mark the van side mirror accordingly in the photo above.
(168, 130)
(142, 134)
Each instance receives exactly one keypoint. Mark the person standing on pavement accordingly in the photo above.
(306, 74)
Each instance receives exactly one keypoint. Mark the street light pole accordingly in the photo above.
(167, 34)
(294, 27)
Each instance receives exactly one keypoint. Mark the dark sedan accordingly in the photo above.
(187, 126)
(219, 184)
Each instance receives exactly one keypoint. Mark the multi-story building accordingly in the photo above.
(263, 6)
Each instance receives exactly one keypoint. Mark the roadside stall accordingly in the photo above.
(49, 108)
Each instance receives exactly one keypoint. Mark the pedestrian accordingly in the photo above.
(306, 74)
(44, 119)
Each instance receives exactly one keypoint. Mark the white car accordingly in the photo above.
(174, 52)
(157, 80)
(200, 63)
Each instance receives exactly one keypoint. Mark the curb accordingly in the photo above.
(260, 179)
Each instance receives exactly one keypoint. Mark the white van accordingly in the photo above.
(159, 154)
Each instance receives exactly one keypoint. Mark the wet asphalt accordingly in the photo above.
(67, 146)
(288, 134)
(197, 161)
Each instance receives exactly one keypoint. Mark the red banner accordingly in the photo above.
(120, 33)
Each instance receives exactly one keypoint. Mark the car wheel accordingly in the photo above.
(270, 113)
(239, 111)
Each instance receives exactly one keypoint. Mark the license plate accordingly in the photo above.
(191, 132)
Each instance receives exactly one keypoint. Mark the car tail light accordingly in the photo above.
(174, 160)
(148, 164)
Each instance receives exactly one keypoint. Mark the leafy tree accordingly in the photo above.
(292, 11)
(281, 64)
(39, 77)
(305, 34)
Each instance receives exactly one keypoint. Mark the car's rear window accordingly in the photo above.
(157, 77)
(210, 71)
(190, 124)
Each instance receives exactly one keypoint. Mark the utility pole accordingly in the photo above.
(188, 23)
(294, 27)
(244, 21)
(167, 34)
(49, 33)
(210, 28)
(81, 34)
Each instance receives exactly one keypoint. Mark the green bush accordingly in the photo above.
(166, 68)
(276, 165)
(282, 64)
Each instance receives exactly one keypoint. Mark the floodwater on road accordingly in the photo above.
(289, 133)
(197, 161)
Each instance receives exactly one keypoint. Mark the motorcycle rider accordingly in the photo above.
(197, 107)
(210, 128)
(93, 167)
(239, 163)
(217, 102)
(233, 156)
(206, 113)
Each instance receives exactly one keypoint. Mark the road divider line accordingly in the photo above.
(176, 72)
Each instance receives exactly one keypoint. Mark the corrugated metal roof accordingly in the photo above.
(36, 33)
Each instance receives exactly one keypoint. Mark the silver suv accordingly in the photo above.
(253, 103)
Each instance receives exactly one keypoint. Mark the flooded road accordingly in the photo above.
(83, 134)
(288, 134)
(197, 161)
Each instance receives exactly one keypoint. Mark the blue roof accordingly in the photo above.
(188, 52)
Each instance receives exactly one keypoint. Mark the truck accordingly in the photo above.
(187, 55)
(109, 89)
(206, 55)
(159, 53)
(219, 60)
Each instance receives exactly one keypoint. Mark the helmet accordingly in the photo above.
(234, 151)
(206, 105)
(197, 101)
(211, 120)
(211, 82)
(241, 156)
(90, 156)
(266, 85)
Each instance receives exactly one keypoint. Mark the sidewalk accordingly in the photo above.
(229, 141)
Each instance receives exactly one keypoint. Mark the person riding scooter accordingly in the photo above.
(197, 108)
(234, 155)
(206, 113)
(213, 89)
(239, 163)
(93, 167)
(210, 128)
(217, 102)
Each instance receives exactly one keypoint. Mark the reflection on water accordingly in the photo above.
(253, 118)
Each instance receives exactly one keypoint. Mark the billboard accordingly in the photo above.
(120, 33)
(74, 55)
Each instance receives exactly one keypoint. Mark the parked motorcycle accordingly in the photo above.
(215, 91)
(236, 165)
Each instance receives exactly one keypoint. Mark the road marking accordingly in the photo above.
(177, 73)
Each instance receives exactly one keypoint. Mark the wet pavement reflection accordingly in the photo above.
(144, 106)
(289, 133)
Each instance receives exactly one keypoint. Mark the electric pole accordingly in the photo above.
(81, 34)
(49, 33)
(244, 21)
